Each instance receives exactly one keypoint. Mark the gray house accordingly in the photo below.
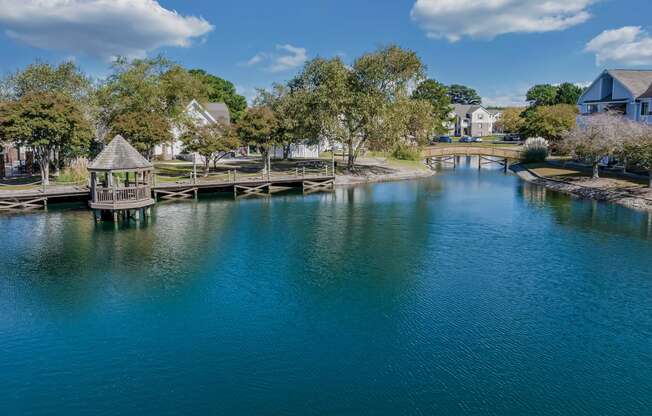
(471, 120)
(626, 92)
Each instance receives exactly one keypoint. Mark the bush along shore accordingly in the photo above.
(632, 195)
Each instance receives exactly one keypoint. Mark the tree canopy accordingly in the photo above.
(460, 94)
(51, 123)
(546, 94)
(143, 98)
(511, 120)
(347, 104)
(257, 127)
(40, 77)
(550, 122)
(211, 141)
(436, 94)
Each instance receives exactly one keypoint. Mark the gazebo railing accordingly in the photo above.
(127, 194)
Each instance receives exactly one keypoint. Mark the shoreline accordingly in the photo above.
(378, 170)
(584, 192)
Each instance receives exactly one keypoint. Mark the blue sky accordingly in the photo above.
(499, 47)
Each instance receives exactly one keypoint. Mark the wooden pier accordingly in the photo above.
(239, 186)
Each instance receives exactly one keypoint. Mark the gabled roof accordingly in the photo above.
(638, 82)
(648, 93)
(461, 110)
(119, 155)
(211, 112)
(219, 112)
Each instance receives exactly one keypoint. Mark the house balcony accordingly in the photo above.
(124, 198)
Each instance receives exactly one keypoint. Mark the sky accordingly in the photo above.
(498, 47)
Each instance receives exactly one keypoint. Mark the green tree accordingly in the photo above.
(293, 121)
(141, 96)
(39, 77)
(257, 127)
(65, 79)
(460, 94)
(211, 141)
(550, 122)
(511, 120)
(221, 90)
(568, 93)
(436, 94)
(346, 103)
(49, 123)
(542, 94)
(143, 130)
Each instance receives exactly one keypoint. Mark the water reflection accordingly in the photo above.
(589, 215)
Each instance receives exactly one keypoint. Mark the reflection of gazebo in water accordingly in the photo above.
(120, 181)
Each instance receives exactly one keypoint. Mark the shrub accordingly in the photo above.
(76, 172)
(535, 149)
(405, 152)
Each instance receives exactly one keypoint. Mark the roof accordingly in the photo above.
(638, 82)
(461, 110)
(648, 93)
(119, 155)
(219, 111)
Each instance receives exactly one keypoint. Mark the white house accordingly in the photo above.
(627, 92)
(208, 114)
(297, 151)
(471, 120)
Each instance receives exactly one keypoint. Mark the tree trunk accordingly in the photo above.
(264, 153)
(286, 151)
(351, 161)
(44, 164)
(207, 166)
(596, 170)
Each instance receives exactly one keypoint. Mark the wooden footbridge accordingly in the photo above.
(443, 154)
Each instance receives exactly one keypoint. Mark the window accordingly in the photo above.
(480, 116)
(591, 108)
(645, 109)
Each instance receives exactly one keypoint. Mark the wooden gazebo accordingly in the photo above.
(121, 180)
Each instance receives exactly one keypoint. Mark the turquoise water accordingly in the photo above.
(465, 294)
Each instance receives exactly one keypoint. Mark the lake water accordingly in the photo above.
(470, 293)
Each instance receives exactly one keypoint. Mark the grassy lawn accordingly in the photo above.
(573, 174)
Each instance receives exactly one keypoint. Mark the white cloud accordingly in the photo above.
(103, 28)
(485, 19)
(630, 45)
(285, 58)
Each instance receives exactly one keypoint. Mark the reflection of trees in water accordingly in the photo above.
(370, 232)
(589, 214)
(68, 259)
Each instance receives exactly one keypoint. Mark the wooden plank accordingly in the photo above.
(247, 191)
(18, 205)
(311, 187)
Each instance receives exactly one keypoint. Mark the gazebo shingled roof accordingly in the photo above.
(119, 155)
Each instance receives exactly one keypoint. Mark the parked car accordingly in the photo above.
(466, 139)
(476, 139)
(445, 139)
(512, 137)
